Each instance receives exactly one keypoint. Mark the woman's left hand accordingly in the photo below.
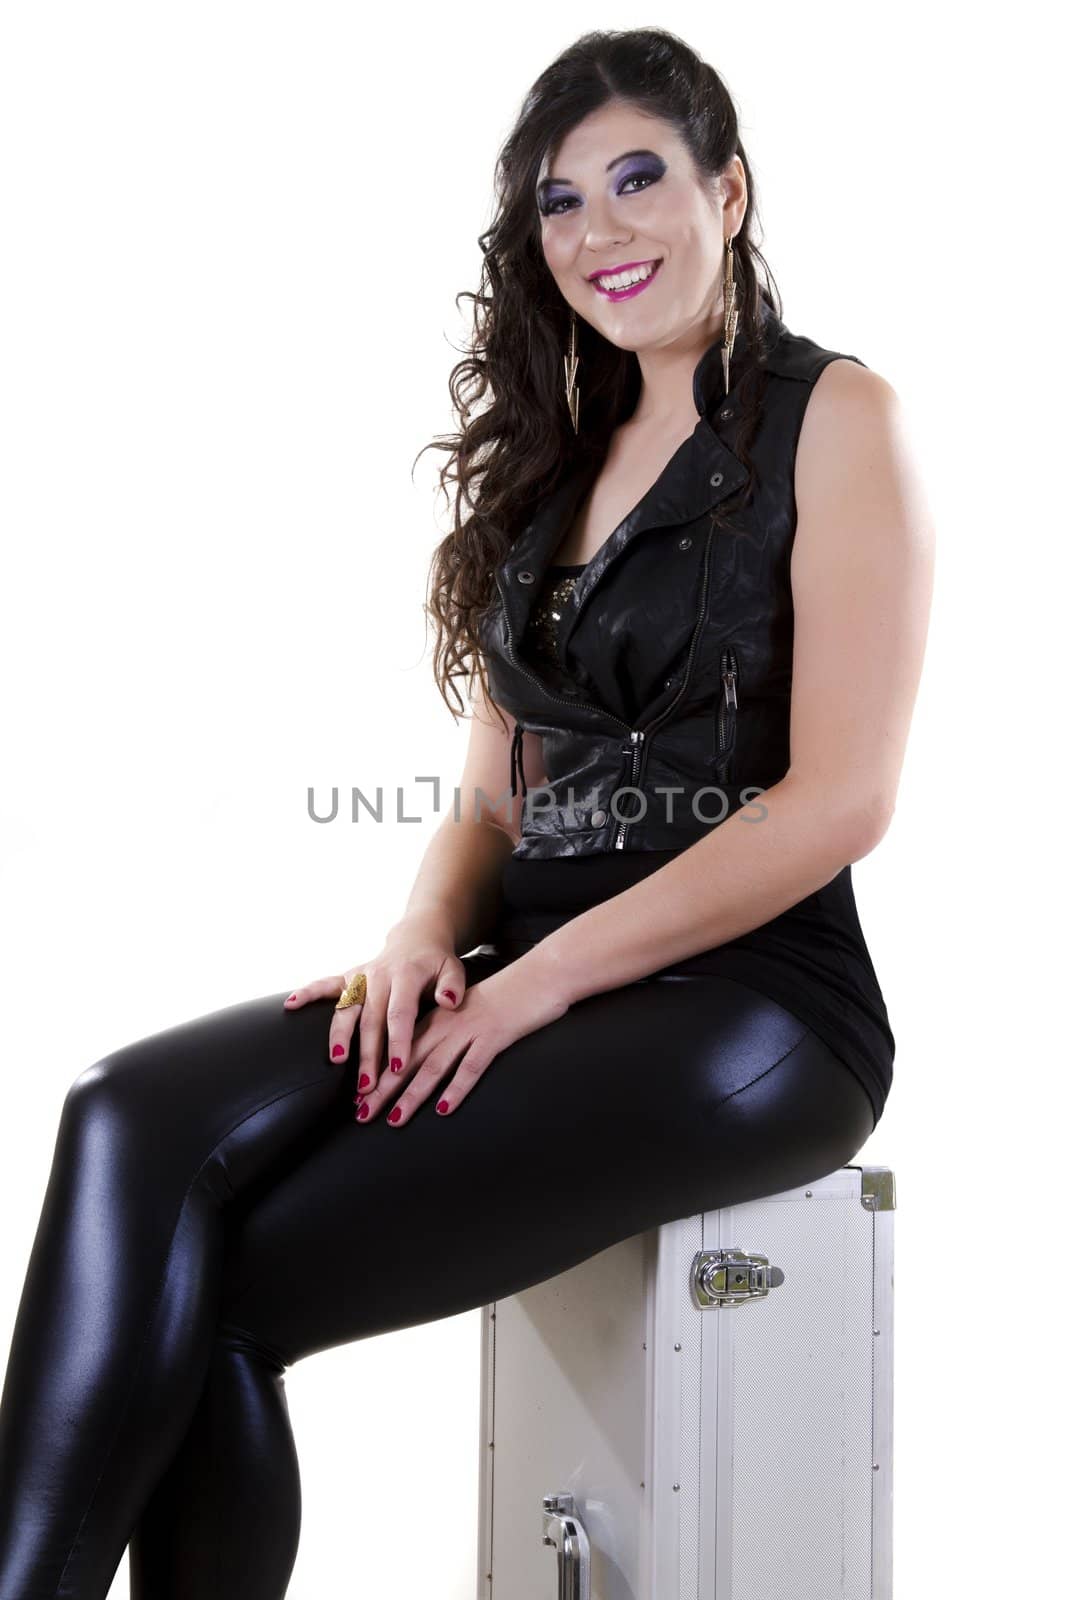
(493, 1014)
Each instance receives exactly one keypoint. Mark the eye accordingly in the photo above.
(639, 177)
(553, 208)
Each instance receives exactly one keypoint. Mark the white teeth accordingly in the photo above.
(623, 280)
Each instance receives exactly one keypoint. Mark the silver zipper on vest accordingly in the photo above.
(728, 701)
(636, 751)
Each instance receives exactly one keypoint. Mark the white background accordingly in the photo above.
(233, 237)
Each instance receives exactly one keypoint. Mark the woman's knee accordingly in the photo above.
(114, 1085)
(223, 1098)
(119, 1097)
(98, 1098)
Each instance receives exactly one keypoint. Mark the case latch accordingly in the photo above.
(728, 1277)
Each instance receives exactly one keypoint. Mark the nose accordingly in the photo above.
(603, 232)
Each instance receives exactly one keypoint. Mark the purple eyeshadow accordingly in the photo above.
(643, 165)
(643, 168)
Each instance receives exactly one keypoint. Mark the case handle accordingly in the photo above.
(562, 1528)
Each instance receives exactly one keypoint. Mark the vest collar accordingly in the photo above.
(702, 471)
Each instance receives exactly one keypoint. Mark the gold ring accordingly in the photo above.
(355, 992)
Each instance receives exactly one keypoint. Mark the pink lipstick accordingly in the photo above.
(631, 289)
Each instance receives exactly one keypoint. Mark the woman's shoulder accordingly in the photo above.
(832, 393)
(799, 357)
(854, 450)
(849, 399)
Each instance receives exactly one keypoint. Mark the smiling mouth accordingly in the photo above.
(629, 283)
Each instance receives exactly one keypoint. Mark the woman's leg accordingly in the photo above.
(640, 1105)
(119, 1310)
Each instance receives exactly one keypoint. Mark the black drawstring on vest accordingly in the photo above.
(517, 768)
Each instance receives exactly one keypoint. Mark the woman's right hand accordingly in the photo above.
(419, 954)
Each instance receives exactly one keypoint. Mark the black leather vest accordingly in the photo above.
(670, 709)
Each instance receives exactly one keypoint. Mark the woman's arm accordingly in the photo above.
(458, 881)
(452, 906)
(862, 574)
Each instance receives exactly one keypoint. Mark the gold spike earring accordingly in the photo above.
(570, 373)
(729, 305)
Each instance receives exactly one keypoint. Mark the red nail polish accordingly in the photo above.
(290, 997)
(449, 994)
(338, 1050)
(442, 1106)
(364, 1081)
(394, 1115)
(396, 1064)
(357, 1100)
(363, 1112)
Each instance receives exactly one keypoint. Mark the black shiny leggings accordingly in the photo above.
(214, 1214)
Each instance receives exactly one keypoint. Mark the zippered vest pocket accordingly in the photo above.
(726, 715)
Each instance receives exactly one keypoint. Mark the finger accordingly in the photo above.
(429, 1081)
(389, 1083)
(368, 1103)
(401, 1015)
(427, 1034)
(342, 1027)
(451, 983)
(343, 1023)
(410, 1087)
(372, 1032)
(473, 1066)
(320, 989)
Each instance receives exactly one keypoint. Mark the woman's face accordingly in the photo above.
(622, 191)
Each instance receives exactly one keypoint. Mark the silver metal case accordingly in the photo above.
(700, 1412)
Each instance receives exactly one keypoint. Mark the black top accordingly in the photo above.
(812, 958)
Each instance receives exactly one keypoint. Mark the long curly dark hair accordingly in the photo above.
(512, 450)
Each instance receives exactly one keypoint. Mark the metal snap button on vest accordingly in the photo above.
(526, 577)
(599, 818)
(724, 416)
(716, 479)
(683, 544)
(667, 682)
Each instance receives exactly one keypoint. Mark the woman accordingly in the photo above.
(667, 1009)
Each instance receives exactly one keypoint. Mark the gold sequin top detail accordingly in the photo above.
(543, 628)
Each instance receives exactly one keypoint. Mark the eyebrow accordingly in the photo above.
(548, 183)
